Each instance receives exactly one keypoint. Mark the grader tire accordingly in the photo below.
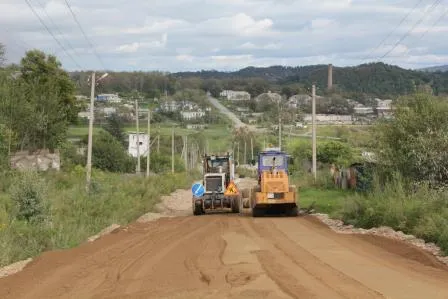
(197, 210)
(235, 205)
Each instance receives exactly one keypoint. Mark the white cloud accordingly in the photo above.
(239, 24)
(134, 47)
(269, 46)
(187, 58)
(155, 26)
(226, 34)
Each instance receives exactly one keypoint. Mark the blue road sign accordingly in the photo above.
(198, 190)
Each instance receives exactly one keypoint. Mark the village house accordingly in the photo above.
(189, 115)
(233, 95)
(107, 97)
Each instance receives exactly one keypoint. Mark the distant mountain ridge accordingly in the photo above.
(439, 68)
(373, 78)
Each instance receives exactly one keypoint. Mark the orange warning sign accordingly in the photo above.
(231, 189)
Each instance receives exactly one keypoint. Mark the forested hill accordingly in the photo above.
(375, 79)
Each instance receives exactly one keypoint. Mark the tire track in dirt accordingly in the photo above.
(345, 286)
(229, 256)
(373, 266)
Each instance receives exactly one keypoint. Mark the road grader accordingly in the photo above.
(273, 193)
(219, 191)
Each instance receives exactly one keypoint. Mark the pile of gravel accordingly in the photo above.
(383, 231)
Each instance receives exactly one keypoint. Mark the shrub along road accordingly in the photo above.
(231, 256)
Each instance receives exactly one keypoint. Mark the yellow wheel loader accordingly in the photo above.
(273, 193)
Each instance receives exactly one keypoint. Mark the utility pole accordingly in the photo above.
(252, 149)
(238, 149)
(148, 156)
(314, 132)
(89, 146)
(138, 137)
(172, 149)
(245, 152)
(186, 153)
(279, 127)
(158, 143)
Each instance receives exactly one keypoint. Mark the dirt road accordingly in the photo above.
(230, 256)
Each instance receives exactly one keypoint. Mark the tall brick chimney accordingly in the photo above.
(330, 76)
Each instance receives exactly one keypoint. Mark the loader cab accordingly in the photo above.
(272, 160)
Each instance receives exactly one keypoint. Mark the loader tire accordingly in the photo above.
(257, 212)
(292, 212)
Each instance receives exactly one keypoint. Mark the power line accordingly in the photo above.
(391, 32)
(85, 35)
(429, 28)
(434, 5)
(51, 33)
(54, 25)
(434, 24)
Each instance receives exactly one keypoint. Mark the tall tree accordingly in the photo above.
(2, 55)
(414, 142)
(114, 125)
(40, 103)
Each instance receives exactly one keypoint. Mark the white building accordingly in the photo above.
(132, 146)
(81, 98)
(233, 95)
(84, 114)
(109, 110)
(329, 118)
(363, 110)
(109, 97)
(270, 96)
(170, 106)
(188, 115)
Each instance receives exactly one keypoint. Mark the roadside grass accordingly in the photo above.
(327, 201)
(74, 215)
(422, 212)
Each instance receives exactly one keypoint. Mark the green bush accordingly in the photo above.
(28, 192)
(422, 212)
(75, 215)
(328, 152)
(161, 163)
(108, 154)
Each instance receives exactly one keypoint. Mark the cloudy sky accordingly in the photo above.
(177, 35)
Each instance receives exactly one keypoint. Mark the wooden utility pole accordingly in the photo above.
(158, 143)
(186, 153)
(314, 132)
(245, 152)
(172, 149)
(89, 145)
(279, 127)
(238, 153)
(252, 149)
(148, 156)
(138, 137)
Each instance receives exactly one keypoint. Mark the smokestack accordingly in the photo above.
(330, 76)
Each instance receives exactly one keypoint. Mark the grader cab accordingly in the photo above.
(220, 192)
(273, 192)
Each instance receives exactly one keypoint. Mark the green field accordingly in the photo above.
(218, 136)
